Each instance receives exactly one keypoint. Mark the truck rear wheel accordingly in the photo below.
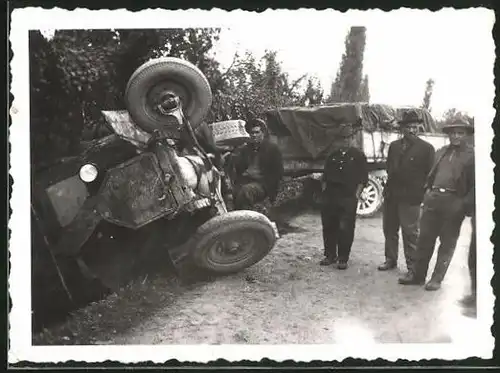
(371, 198)
(233, 241)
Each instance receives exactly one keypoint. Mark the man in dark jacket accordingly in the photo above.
(450, 189)
(257, 168)
(344, 177)
(409, 161)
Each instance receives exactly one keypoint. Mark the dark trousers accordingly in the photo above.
(440, 218)
(400, 215)
(472, 257)
(247, 194)
(338, 218)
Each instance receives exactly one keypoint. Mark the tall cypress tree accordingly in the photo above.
(364, 90)
(346, 87)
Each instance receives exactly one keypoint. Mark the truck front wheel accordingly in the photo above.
(233, 241)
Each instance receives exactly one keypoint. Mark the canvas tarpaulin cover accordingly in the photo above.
(315, 127)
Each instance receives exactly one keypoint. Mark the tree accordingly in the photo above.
(279, 89)
(313, 94)
(426, 102)
(346, 87)
(364, 90)
(250, 87)
(78, 73)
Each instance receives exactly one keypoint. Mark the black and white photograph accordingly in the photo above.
(290, 184)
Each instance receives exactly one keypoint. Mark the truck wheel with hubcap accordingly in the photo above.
(233, 241)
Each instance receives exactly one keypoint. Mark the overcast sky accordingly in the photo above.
(403, 49)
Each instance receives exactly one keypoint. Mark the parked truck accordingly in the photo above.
(304, 135)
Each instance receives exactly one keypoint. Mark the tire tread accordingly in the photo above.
(195, 79)
(223, 223)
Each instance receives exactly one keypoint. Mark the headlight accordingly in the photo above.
(88, 173)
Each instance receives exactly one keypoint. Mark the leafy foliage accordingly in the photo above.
(250, 87)
(314, 93)
(78, 73)
(364, 90)
(347, 86)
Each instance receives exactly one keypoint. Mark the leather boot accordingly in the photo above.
(433, 285)
(327, 261)
(342, 265)
(386, 266)
(411, 279)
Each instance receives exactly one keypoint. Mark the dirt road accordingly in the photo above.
(286, 298)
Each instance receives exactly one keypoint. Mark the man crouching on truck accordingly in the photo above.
(344, 177)
(257, 168)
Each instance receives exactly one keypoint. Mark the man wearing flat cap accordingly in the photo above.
(449, 197)
(409, 161)
(257, 168)
(344, 176)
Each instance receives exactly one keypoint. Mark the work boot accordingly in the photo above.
(327, 261)
(386, 266)
(342, 265)
(411, 279)
(433, 285)
(468, 301)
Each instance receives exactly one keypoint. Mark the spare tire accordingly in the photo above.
(233, 241)
(149, 83)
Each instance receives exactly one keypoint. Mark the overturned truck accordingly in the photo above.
(149, 185)
(304, 136)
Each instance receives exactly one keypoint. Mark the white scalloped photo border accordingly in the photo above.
(21, 349)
